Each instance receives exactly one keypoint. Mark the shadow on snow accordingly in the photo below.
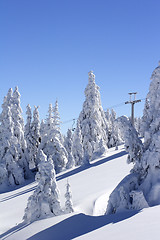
(79, 225)
(64, 175)
(73, 226)
(94, 164)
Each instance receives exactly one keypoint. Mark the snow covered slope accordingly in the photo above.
(91, 187)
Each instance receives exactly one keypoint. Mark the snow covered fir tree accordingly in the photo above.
(13, 157)
(68, 197)
(142, 188)
(92, 120)
(52, 140)
(44, 202)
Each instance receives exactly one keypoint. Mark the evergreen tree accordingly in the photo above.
(68, 144)
(18, 129)
(142, 187)
(44, 201)
(92, 119)
(77, 149)
(51, 142)
(27, 132)
(35, 138)
(10, 171)
(68, 197)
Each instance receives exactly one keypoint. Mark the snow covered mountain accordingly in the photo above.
(91, 186)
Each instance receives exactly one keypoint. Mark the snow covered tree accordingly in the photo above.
(18, 129)
(56, 122)
(145, 119)
(115, 135)
(27, 131)
(59, 155)
(144, 189)
(68, 143)
(35, 139)
(44, 202)
(68, 197)
(51, 142)
(133, 144)
(92, 119)
(10, 171)
(77, 149)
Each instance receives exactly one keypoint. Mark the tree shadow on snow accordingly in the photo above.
(13, 230)
(80, 224)
(94, 164)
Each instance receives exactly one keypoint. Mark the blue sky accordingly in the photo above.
(47, 48)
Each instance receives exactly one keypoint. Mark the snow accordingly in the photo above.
(91, 187)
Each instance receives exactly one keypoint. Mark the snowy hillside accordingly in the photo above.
(91, 187)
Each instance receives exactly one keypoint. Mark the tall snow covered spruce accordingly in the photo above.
(77, 149)
(142, 187)
(52, 140)
(44, 202)
(92, 119)
(13, 145)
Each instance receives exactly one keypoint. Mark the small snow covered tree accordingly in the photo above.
(77, 149)
(56, 122)
(92, 119)
(44, 202)
(115, 136)
(68, 143)
(144, 189)
(68, 197)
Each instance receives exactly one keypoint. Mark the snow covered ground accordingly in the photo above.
(91, 187)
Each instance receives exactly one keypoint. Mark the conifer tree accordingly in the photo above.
(92, 119)
(142, 187)
(51, 142)
(77, 149)
(44, 202)
(68, 144)
(68, 197)
(27, 132)
(36, 138)
(10, 171)
(18, 129)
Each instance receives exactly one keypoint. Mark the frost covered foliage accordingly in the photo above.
(92, 119)
(133, 144)
(19, 131)
(115, 136)
(146, 170)
(68, 144)
(44, 202)
(13, 158)
(77, 148)
(33, 137)
(68, 197)
(137, 125)
(52, 141)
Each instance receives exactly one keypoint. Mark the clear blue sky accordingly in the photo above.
(47, 48)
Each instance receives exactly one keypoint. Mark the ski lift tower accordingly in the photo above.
(132, 101)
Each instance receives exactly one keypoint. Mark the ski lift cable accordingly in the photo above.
(114, 106)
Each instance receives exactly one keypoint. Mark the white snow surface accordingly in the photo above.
(91, 186)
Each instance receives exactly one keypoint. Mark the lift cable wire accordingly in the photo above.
(114, 106)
